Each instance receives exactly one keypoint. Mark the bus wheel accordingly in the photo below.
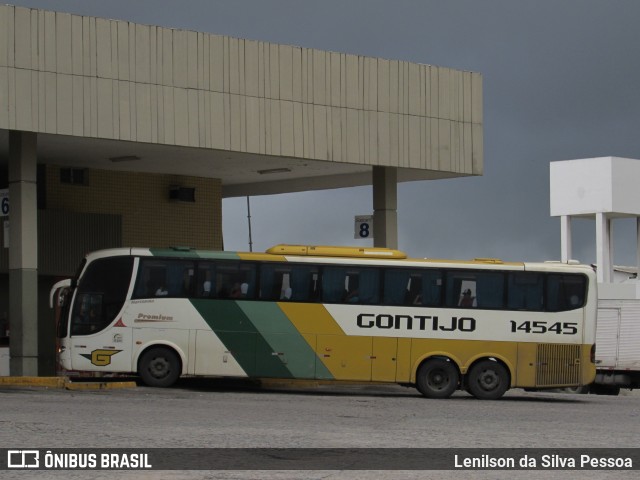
(437, 378)
(159, 367)
(488, 380)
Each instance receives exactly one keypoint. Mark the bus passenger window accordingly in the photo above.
(565, 292)
(413, 287)
(525, 291)
(236, 281)
(475, 289)
(289, 283)
(206, 285)
(164, 278)
(350, 285)
(461, 289)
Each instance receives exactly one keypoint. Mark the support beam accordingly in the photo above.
(638, 244)
(565, 238)
(603, 248)
(385, 207)
(23, 254)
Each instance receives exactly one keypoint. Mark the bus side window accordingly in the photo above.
(333, 284)
(206, 279)
(350, 285)
(288, 282)
(151, 280)
(565, 292)
(179, 278)
(397, 287)
(461, 289)
(525, 291)
(490, 290)
(302, 285)
(431, 294)
(235, 281)
(165, 278)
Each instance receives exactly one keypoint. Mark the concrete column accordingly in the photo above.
(638, 244)
(603, 248)
(23, 254)
(565, 238)
(385, 207)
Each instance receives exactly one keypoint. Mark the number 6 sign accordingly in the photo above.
(4, 202)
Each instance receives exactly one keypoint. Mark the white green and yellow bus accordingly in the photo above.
(331, 313)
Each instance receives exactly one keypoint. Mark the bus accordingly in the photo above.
(330, 313)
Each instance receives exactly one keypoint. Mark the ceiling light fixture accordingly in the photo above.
(274, 170)
(124, 158)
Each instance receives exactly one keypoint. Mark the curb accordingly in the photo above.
(63, 383)
(46, 382)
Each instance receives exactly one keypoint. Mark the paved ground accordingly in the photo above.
(215, 414)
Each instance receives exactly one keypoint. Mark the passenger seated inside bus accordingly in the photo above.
(162, 291)
(414, 292)
(239, 290)
(352, 296)
(467, 300)
(206, 288)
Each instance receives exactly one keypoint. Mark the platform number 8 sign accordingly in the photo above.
(363, 227)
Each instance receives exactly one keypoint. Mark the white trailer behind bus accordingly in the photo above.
(617, 338)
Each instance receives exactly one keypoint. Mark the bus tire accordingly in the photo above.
(488, 380)
(437, 378)
(159, 367)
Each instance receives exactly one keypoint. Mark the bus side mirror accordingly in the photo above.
(66, 283)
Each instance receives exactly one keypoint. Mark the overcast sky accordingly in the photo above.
(561, 81)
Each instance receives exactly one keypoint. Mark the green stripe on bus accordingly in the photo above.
(241, 338)
(191, 253)
(285, 341)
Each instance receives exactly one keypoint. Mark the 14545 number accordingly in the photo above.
(564, 328)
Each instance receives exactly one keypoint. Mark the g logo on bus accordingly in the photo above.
(100, 358)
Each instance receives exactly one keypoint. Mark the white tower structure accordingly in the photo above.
(603, 188)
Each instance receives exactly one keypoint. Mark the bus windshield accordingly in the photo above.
(100, 295)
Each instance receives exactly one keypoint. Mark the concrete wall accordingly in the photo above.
(149, 218)
(84, 76)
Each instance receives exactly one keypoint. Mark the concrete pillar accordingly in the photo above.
(385, 207)
(565, 238)
(638, 244)
(603, 248)
(23, 254)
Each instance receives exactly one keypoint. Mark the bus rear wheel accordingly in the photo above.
(487, 380)
(437, 378)
(159, 367)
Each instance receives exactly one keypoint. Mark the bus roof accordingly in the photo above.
(334, 255)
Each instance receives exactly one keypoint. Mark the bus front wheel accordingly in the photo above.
(159, 367)
(487, 380)
(437, 378)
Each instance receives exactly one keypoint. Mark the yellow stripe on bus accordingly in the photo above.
(311, 318)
